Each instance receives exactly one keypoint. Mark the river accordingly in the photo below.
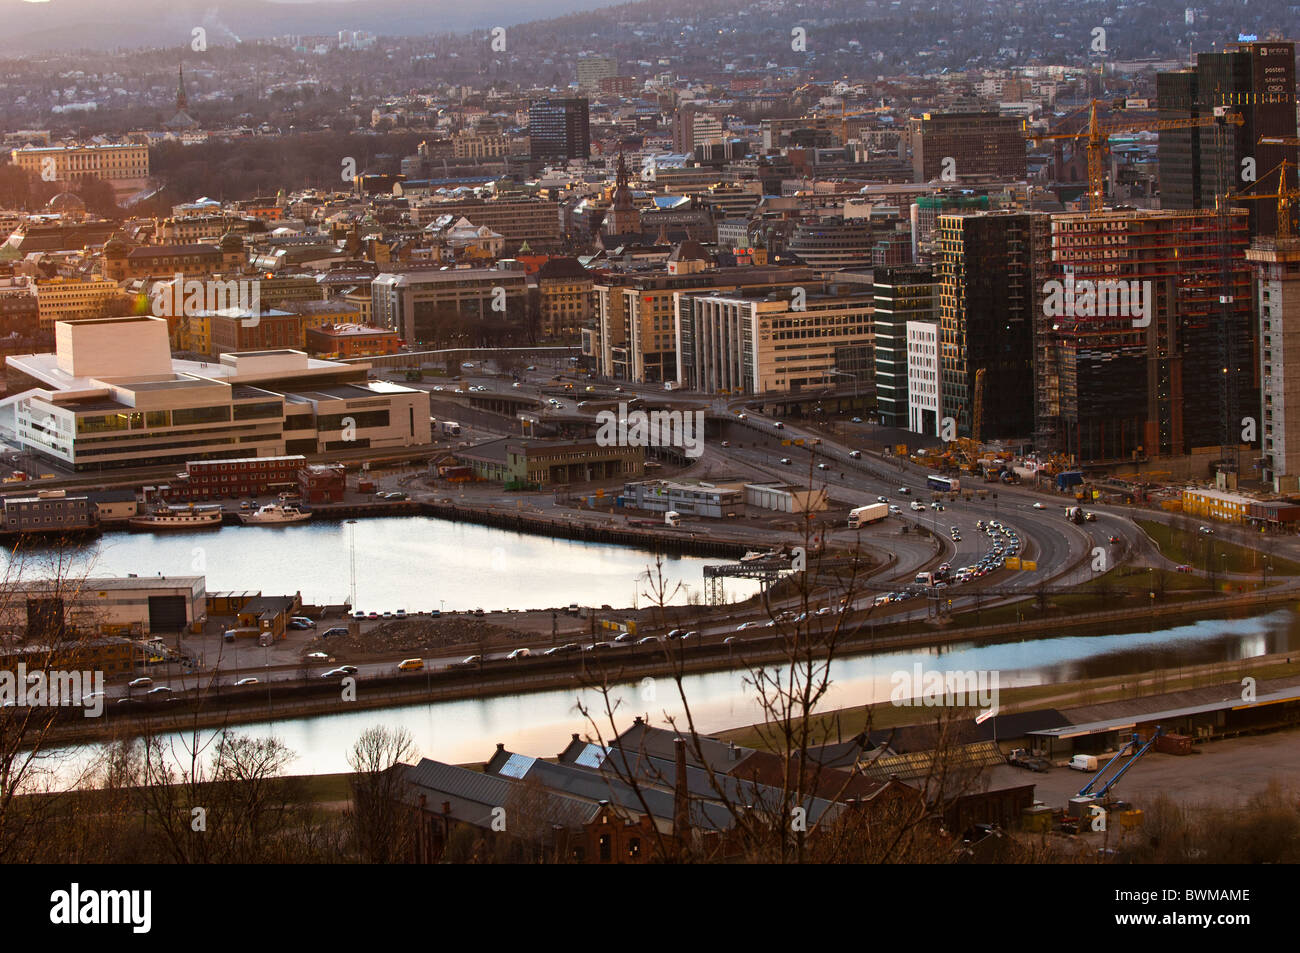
(414, 563)
(541, 723)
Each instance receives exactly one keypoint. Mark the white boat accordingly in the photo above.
(178, 517)
(274, 513)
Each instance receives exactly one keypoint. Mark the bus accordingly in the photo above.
(943, 484)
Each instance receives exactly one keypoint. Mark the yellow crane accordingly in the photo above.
(1097, 133)
(977, 414)
(1286, 195)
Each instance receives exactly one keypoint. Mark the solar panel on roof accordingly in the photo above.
(517, 766)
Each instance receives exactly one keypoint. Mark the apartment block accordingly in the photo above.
(1276, 265)
(69, 299)
(425, 307)
(903, 294)
(958, 146)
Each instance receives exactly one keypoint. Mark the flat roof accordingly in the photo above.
(1121, 722)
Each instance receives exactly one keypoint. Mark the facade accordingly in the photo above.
(111, 396)
(559, 129)
(695, 499)
(551, 462)
(420, 305)
(532, 220)
(125, 167)
(194, 261)
(231, 479)
(1110, 387)
(980, 145)
(924, 378)
(1277, 282)
(903, 294)
(70, 299)
(753, 342)
(564, 298)
(350, 340)
(105, 606)
(49, 511)
(322, 483)
(1256, 80)
(635, 333)
(831, 243)
(593, 69)
(232, 330)
(1218, 505)
(991, 270)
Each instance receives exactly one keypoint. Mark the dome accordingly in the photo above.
(66, 202)
(232, 242)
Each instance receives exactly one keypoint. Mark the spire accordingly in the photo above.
(622, 171)
(182, 100)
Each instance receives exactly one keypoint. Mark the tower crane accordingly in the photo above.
(1097, 133)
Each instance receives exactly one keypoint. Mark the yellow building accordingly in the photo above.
(65, 299)
(125, 167)
(1217, 505)
(564, 294)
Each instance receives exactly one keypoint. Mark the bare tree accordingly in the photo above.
(381, 825)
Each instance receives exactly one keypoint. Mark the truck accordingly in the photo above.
(450, 428)
(864, 515)
(672, 518)
(670, 385)
(1074, 514)
(924, 579)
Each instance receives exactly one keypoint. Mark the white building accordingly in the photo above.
(924, 388)
(111, 396)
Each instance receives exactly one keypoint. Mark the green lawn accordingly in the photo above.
(1195, 548)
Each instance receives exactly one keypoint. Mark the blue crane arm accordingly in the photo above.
(1141, 751)
(1086, 790)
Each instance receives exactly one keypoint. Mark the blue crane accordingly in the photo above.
(1087, 791)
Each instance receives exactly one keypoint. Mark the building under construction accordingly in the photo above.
(1161, 358)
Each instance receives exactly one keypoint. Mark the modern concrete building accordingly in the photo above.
(559, 129)
(902, 294)
(1277, 282)
(924, 378)
(960, 146)
(695, 499)
(423, 306)
(755, 341)
(111, 396)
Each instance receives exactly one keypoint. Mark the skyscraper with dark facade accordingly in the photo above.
(1255, 79)
(559, 129)
(903, 293)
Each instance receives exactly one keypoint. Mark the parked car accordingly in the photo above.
(855, 454)
(144, 682)
(245, 681)
(317, 656)
(336, 630)
(305, 622)
(160, 690)
(647, 640)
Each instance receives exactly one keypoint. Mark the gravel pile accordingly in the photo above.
(416, 636)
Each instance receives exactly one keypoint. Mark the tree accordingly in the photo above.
(382, 827)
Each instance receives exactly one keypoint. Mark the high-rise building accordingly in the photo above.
(693, 126)
(559, 129)
(1160, 359)
(959, 146)
(903, 294)
(592, 69)
(990, 268)
(1198, 164)
(836, 242)
(1277, 277)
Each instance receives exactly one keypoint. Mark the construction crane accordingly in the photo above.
(1087, 791)
(1285, 195)
(1098, 133)
(977, 414)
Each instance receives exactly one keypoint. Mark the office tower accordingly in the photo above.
(903, 294)
(558, 129)
(1196, 165)
(990, 268)
(592, 69)
(1277, 276)
(979, 145)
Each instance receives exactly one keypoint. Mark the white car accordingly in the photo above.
(1039, 506)
(245, 681)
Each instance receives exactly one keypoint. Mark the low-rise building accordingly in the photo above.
(230, 479)
(49, 511)
(785, 497)
(1217, 505)
(43, 608)
(322, 483)
(350, 340)
(513, 460)
(696, 499)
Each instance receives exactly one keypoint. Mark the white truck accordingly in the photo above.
(864, 515)
(672, 518)
(450, 428)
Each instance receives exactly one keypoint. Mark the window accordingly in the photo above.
(604, 848)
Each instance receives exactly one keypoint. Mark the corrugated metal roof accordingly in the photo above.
(517, 766)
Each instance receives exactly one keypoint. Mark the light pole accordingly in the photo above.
(352, 550)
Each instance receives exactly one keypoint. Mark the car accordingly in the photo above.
(519, 653)
(597, 647)
(675, 634)
(144, 682)
(1183, 568)
(1206, 531)
(624, 637)
(334, 673)
(399, 614)
(471, 660)
(336, 630)
(515, 384)
(295, 624)
(1039, 506)
(304, 621)
(1114, 538)
(882, 499)
(245, 681)
(388, 613)
(437, 387)
(904, 490)
(478, 612)
(857, 420)
(778, 425)
(742, 416)
(747, 625)
(317, 656)
(954, 529)
(726, 443)
(692, 634)
(245, 504)
(855, 454)
(160, 690)
(729, 640)
(647, 640)
(120, 701)
(467, 365)
(372, 615)
(786, 461)
(358, 615)
(893, 508)
(822, 466)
